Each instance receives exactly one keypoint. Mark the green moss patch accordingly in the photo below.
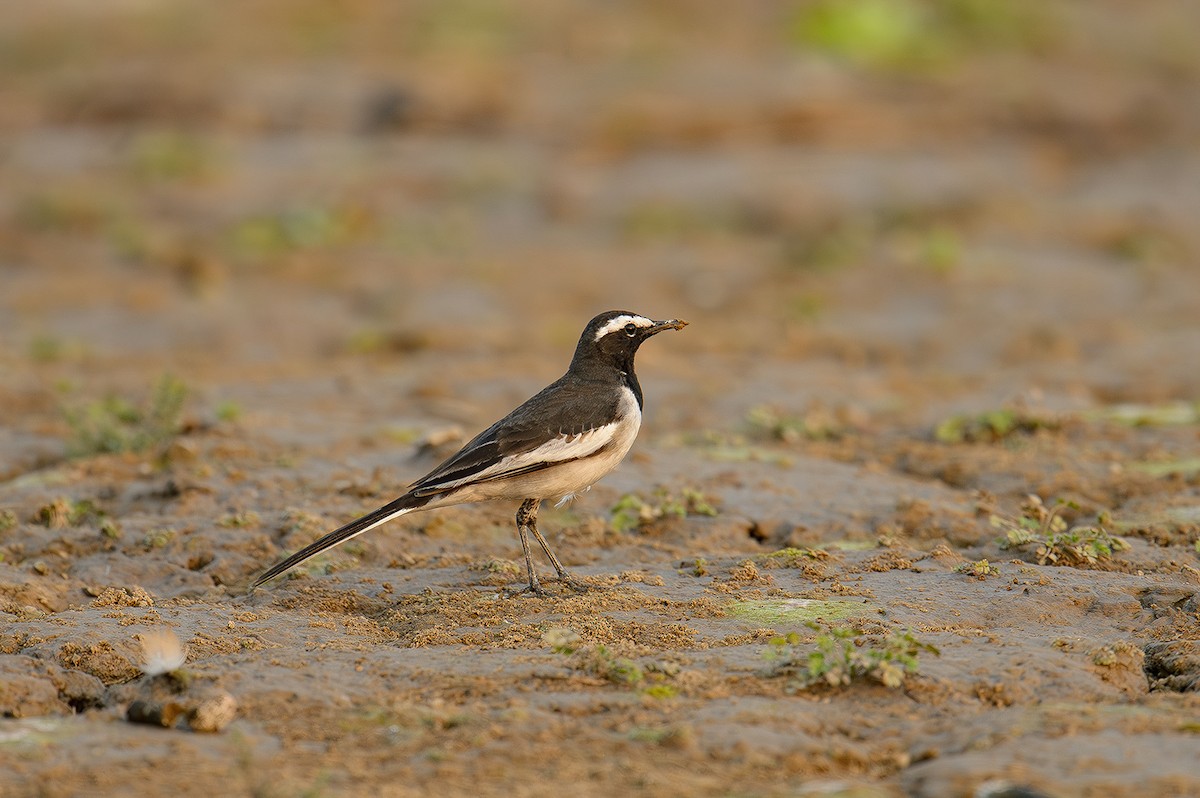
(798, 612)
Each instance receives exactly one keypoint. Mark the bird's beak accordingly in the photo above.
(659, 326)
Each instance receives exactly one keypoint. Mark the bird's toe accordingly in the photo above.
(578, 585)
(532, 589)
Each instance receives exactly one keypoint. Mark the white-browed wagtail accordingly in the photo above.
(557, 444)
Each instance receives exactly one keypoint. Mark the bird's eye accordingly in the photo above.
(631, 329)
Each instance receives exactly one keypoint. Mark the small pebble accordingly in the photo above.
(154, 713)
(213, 714)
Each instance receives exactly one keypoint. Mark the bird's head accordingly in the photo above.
(616, 334)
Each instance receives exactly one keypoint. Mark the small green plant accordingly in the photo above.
(815, 424)
(599, 660)
(158, 538)
(63, 512)
(618, 670)
(83, 510)
(1167, 414)
(651, 678)
(228, 411)
(54, 515)
(1148, 246)
(1045, 528)
(940, 250)
(246, 518)
(827, 246)
(633, 512)
(1185, 468)
(1036, 522)
(8, 520)
(844, 655)
(907, 35)
(792, 557)
(299, 229)
(792, 612)
(47, 348)
(63, 211)
(991, 426)
(114, 424)
(170, 156)
(980, 569)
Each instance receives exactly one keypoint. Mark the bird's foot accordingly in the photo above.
(533, 589)
(578, 585)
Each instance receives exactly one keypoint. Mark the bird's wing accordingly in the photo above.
(566, 421)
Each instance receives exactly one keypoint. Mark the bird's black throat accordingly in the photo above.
(631, 381)
(593, 364)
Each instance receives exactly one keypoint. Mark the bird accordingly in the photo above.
(555, 445)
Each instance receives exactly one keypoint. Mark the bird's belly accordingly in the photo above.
(573, 477)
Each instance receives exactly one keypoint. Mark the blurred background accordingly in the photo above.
(262, 263)
(876, 207)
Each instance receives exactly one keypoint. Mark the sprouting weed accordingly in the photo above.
(228, 411)
(815, 424)
(844, 655)
(599, 660)
(63, 512)
(158, 538)
(792, 557)
(651, 678)
(116, 425)
(246, 518)
(1056, 542)
(992, 426)
(980, 569)
(54, 515)
(632, 511)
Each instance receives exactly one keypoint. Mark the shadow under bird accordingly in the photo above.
(556, 444)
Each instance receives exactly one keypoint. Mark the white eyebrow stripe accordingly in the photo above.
(620, 321)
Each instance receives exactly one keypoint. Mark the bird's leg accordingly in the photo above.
(523, 520)
(531, 522)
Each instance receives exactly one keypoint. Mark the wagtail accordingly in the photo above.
(557, 444)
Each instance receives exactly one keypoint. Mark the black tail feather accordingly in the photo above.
(404, 504)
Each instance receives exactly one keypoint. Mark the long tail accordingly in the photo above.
(405, 504)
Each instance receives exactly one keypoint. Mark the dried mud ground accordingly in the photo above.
(916, 299)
